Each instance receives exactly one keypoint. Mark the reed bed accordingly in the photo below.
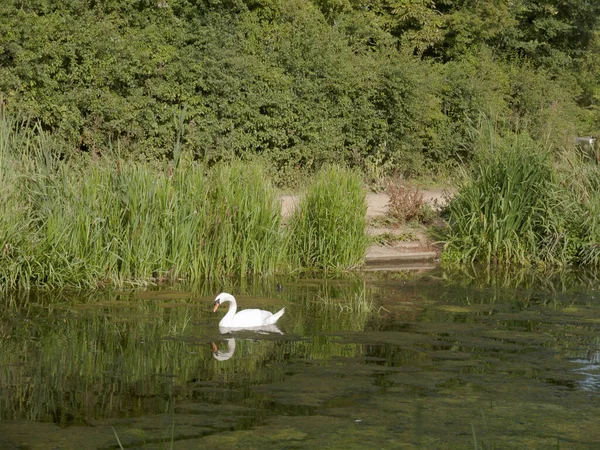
(112, 221)
(328, 230)
(520, 206)
(118, 222)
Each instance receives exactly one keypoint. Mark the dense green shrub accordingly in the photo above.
(299, 83)
(474, 85)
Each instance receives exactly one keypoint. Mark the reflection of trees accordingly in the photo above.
(67, 358)
(516, 311)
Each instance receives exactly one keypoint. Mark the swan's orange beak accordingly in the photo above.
(216, 306)
(215, 348)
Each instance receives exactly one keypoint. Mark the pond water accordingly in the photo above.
(382, 361)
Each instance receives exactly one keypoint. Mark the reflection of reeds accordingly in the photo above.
(119, 353)
(356, 304)
(545, 280)
(337, 304)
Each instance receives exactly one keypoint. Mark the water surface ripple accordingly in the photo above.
(375, 361)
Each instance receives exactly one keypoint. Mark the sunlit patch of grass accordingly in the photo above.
(501, 209)
(115, 221)
(328, 229)
(384, 222)
(522, 206)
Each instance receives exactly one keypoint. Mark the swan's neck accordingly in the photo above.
(230, 346)
(232, 308)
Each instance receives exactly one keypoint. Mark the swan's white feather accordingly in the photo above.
(247, 318)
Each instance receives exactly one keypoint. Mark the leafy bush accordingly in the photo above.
(300, 84)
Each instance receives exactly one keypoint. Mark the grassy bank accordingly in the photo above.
(113, 221)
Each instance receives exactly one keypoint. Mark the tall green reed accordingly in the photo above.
(517, 206)
(328, 230)
(16, 223)
(498, 212)
(243, 222)
(112, 221)
(576, 212)
(132, 223)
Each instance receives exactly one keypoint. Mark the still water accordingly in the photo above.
(382, 361)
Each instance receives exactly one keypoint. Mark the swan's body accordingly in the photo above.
(247, 318)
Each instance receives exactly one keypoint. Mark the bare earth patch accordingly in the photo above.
(413, 243)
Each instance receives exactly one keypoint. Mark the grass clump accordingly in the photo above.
(328, 230)
(575, 231)
(244, 227)
(126, 222)
(499, 212)
(113, 221)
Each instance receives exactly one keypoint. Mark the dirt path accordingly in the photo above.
(377, 204)
(414, 246)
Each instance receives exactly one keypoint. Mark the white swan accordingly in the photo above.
(247, 318)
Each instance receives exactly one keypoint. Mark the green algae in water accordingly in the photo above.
(431, 364)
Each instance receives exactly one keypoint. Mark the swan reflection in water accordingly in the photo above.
(221, 355)
(224, 355)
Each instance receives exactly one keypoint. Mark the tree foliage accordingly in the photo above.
(388, 83)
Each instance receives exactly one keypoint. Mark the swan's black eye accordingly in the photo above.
(217, 302)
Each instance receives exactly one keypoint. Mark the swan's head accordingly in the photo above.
(221, 298)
